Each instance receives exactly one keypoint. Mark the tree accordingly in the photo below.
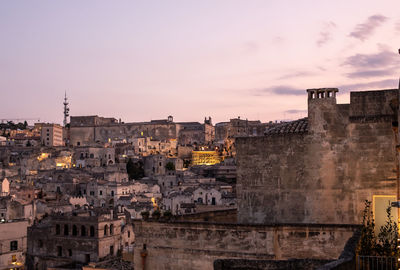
(367, 245)
(170, 166)
(387, 237)
(385, 244)
(134, 169)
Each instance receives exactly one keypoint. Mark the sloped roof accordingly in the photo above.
(297, 126)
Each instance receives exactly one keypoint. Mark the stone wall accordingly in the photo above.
(323, 175)
(196, 245)
(297, 264)
(228, 216)
(87, 135)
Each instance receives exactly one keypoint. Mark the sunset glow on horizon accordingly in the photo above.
(143, 60)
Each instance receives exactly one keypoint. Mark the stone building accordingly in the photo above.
(81, 236)
(91, 156)
(194, 133)
(238, 127)
(321, 169)
(301, 189)
(13, 244)
(87, 130)
(52, 135)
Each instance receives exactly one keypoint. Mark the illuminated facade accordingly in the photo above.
(205, 158)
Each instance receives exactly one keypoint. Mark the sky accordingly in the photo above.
(144, 60)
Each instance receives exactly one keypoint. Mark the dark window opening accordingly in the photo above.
(66, 230)
(58, 229)
(83, 230)
(59, 251)
(91, 231)
(14, 245)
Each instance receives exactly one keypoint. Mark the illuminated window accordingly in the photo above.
(13, 258)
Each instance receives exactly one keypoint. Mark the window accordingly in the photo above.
(112, 193)
(66, 229)
(13, 258)
(70, 252)
(40, 243)
(112, 250)
(111, 229)
(83, 230)
(129, 234)
(91, 231)
(58, 229)
(14, 245)
(74, 230)
(105, 229)
(59, 251)
(87, 258)
(101, 192)
(78, 143)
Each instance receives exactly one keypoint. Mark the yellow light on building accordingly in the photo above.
(43, 156)
(205, 158)
(153, 200)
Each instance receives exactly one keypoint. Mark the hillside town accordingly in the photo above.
(65, 190)
(101, 193)
(199, 135)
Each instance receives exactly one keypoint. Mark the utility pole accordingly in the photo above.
(66, 109)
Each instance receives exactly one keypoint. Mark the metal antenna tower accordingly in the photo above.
(66, 109)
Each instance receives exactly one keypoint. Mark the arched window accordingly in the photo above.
(66, 229)
(83, 230)
(58, 229)
(91, 231)
(74, 230)
(105, 229)
(111, 229)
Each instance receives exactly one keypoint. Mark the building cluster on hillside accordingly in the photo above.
(101, 193)
(69, 193)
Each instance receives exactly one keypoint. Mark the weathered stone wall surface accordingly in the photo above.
(90, 134)
(305, 264)
(226, 216)
(326, 174)
(196, 245)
